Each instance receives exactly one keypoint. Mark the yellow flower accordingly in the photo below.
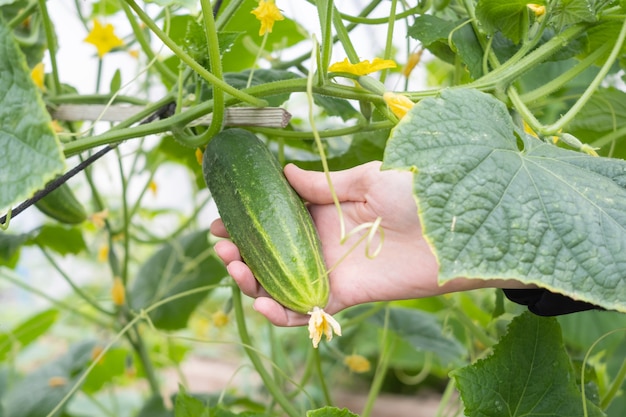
(322, 323)
(103, 38)
(37, 75)
(118, 293)
(153, 187)
(103, 253)
(412, 62)
(363, 67)
(98, 218)
(398, 103)
(57, 381)
(267, 13)
(589, 150)
(537, 9)
(219, 318)
(199, 154)
(357, 363)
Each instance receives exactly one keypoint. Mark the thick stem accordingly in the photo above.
(276, 391)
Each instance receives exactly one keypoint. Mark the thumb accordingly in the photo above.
(349, 185)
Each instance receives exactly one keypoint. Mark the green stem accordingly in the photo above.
(52, 46)
(19, 281)
(381, 369)
(187, 59)
(217, 121)
(615, 387)
(23, 14)
(608, 138)
(125, 220)
(328, 401)
(95, 99)
(343, 35)
(86, 297)
(591, 89)
(515, 67)
(227, 13)
(325, 12)
(556, 83)
(382, 20)
(145, 46)
(475, 330)
(277, 393)
(389, 41)
(138, 344)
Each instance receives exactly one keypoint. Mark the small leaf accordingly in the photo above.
(509, 17)
(330, 412)
(184, 264)
(31, 151)
(155, 407)
(10, 245)
(61, 239)
(336, 107)
(26, 332)
(528, 374)
(421, 330)
(541, 215)
(116, 81)
(569, 12)
(188, 406)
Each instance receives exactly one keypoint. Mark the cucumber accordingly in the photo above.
(270, 224)
(62, 205)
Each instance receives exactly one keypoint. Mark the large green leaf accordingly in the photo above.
(30, 150)
(185, 264)
(42, 390)
(541, 214)
(528, 374)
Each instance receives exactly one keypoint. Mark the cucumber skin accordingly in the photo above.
(266, 219)
(62, 206)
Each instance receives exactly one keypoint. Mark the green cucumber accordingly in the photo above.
(62, 205)
(269, 223)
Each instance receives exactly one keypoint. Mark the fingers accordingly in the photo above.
(239, 271)
(218, 229)
(350, 185)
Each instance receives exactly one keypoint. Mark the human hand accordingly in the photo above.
(405, 267)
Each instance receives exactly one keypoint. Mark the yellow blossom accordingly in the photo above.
(37, 75)
(57, 381)
(219, 318)
(103, 253)
(153, 187)
(98, 218)
(103, 38)
(537, 9)
(267, 13)
(199, 154)
(134, 53)
(589, 150)
(322, 323)
(398, 103)
(95, 353)
(56, 126)
(118, 292)
(363, 67)
(412, 62)
(200, 326)
(357, 363)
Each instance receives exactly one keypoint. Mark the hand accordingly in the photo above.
(405, 267)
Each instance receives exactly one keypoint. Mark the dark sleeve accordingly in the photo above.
(545, 303)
